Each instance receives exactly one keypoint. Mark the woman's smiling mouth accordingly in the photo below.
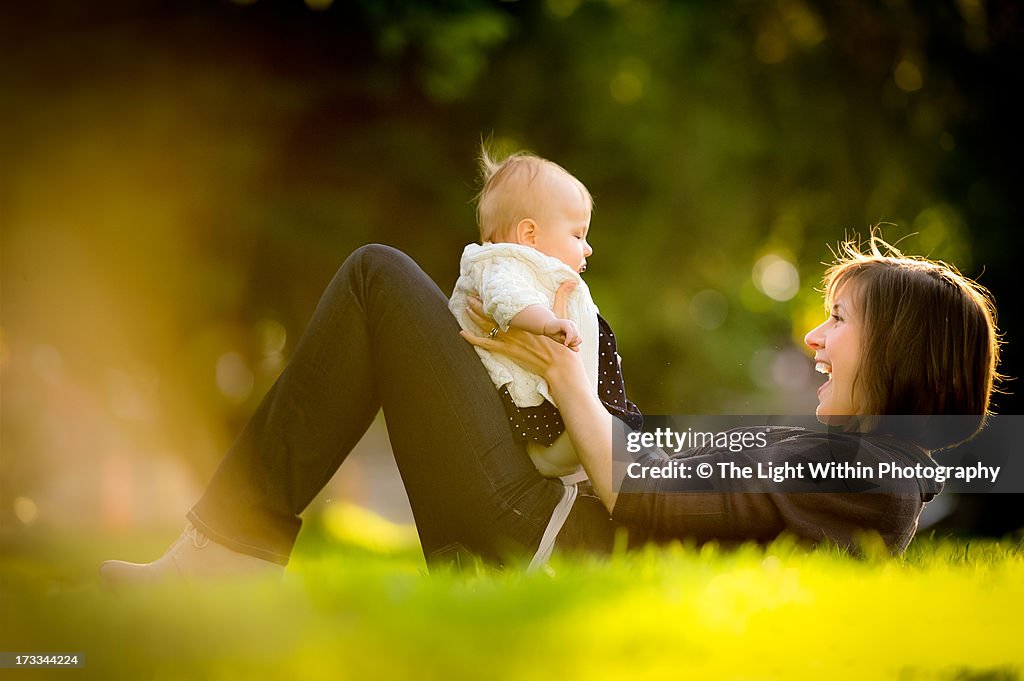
(823, 368)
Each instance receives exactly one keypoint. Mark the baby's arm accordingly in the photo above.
(540, 320)
(510, 296)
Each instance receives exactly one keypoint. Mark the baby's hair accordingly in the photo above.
(505, 197)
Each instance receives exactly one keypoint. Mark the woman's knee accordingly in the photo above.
(372, 256)
(361, 266)
(376, 269)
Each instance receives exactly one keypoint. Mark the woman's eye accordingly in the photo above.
(837, 318)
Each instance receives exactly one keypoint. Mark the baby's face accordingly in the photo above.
(563, 225)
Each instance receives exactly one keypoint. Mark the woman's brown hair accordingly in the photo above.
(930, 347)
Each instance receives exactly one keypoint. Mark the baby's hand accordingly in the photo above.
(565, 332)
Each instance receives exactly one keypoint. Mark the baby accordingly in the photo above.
(534, 218)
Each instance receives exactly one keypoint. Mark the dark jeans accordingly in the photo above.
(382, 336)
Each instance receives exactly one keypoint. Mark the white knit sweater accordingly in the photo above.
(508, 278)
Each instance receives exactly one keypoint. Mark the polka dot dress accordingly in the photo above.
(543, 424)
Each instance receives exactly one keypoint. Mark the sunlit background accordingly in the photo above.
(180, 180)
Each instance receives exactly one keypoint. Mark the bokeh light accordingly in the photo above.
(908, 75)
(709, 309)
(25, 510)
(629, 81)
(234, 377)
(776, 277)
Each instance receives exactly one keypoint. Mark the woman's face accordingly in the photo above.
(836, 345)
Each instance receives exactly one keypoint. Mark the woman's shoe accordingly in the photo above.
(193, 557)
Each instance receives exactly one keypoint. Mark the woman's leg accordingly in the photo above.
(381, 335)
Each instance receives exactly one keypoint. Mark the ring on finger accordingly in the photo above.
(494, 332)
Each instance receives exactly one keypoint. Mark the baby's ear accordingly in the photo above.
(526, 232)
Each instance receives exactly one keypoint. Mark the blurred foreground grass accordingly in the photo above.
(355, 609)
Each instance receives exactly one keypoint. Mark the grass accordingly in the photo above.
(364, 608)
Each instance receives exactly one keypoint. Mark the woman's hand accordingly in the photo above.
(538, 354)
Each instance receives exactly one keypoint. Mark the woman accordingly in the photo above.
(903, 336)
(910, 349)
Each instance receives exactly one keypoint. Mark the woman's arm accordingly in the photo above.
(589, 425)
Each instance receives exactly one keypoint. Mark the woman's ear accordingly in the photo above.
(526, 232)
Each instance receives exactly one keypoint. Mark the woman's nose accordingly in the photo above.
(815, 338)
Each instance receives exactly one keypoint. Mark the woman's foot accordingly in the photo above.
(193, 557)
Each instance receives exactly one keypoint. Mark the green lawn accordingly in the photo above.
(363, 608)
